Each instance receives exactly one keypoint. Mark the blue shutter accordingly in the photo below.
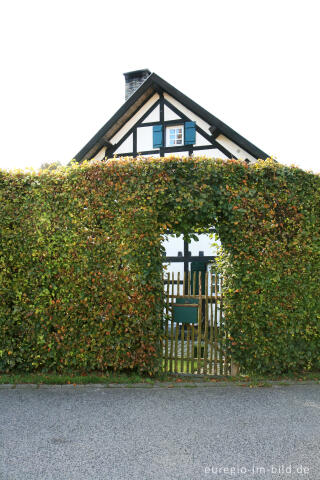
(189, 133)
(157, 136)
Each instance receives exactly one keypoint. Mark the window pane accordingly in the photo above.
(174, 135)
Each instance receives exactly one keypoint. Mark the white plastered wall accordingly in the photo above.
(234, 149)
(153, 116)
(169, 114)
(188, 113)
(126, 146)
(210, 153)
(136, 117)
(144, 139)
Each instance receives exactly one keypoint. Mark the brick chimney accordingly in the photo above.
(134, 80)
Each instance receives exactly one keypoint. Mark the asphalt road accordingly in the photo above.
(217, 432)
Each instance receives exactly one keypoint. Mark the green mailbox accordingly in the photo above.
(185, 310)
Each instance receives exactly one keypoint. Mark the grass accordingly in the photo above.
(182, 366)
(73, 378)
(251, 381)
(284, 378)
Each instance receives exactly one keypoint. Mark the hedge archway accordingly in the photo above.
(81, 260)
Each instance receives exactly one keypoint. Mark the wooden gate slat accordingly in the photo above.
(211, 326)
(199, 325)
(192, 339)
(171, 329)
(216, 326)
(205, 353)
(176, 326)
(221, 347)
(188, 348)
(167, 325)
(182, 349)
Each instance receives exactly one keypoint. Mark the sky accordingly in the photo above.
(253, 64)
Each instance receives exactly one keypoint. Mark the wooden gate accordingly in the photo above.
(195, 338)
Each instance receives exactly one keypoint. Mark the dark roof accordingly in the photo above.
(137, 73)
(151, 85)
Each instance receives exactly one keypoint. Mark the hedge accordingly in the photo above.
(81, 261)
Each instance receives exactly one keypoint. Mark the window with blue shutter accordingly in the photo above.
(157, 136)
(190, 133)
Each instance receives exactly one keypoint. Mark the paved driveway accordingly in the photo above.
(216, 432)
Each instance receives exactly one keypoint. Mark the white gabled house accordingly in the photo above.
(158, 120)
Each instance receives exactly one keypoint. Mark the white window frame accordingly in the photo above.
(175, 138)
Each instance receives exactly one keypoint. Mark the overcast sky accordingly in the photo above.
(253, 64)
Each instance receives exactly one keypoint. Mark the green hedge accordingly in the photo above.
(80, 261)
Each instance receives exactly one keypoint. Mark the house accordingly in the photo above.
(158, 120)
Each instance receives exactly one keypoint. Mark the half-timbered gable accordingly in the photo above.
(158, 120)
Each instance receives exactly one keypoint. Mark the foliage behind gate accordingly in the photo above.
(80, 261)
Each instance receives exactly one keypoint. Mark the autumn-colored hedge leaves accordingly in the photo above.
(80, 261)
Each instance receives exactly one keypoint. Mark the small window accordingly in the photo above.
(174, 135)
